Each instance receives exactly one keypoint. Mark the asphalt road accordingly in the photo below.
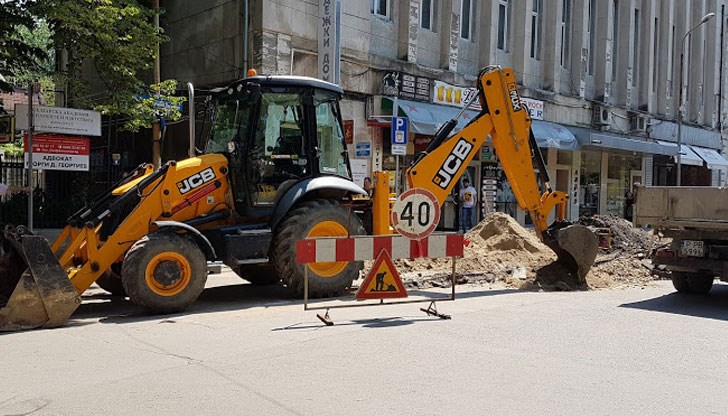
(244, 350)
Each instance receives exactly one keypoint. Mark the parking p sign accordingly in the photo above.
(399, 130)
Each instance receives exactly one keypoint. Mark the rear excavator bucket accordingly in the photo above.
(35, 291)
(575, 245)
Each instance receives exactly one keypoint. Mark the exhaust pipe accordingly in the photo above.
(191, 92)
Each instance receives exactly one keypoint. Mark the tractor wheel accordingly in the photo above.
(164, 272)
(259, 274)
(680, 281)
(315, 218)
(700, 283)
(110, 281)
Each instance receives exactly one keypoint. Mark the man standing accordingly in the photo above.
(467, 201)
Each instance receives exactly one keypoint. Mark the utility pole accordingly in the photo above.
(31, 91)
(156, 136)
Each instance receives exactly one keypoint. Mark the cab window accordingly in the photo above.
(278, 152)
(331, 145)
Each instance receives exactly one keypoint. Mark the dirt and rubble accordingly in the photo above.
(502, 252)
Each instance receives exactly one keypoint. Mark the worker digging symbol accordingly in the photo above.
(383, 280)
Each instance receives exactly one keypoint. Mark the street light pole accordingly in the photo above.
(681, 108)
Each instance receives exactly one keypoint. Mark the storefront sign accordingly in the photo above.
(535, 107)
(409, 87)
(364, 149)
(59, 153)
(349, 131)
(59, 120)
(447, 94)
(328, 40)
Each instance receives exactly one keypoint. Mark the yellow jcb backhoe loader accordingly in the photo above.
(275, 171)
(506, 120)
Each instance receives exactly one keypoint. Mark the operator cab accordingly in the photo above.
(277, 131)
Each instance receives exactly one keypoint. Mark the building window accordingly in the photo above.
(536, 13)
(466, 18)
(655, 45)
(592, 34)
(379, 7)
(504, 11)
(427, 14)
(565, 32)
(636, 47)
(615, 38)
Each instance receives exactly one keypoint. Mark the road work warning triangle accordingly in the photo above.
(383, 281)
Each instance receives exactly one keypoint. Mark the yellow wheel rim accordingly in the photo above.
(168, 273)
(328, 229)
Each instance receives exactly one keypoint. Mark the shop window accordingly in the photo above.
(564, 157)
(621, 173)
(589, 182)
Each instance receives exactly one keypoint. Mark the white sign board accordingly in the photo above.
(399, 149)
(59, 120)
(415, 213)
(59, 153)
(359, 170)
(535, 107)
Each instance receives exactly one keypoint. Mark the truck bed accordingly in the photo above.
(681, 208)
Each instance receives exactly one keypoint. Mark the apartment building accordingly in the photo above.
(601, 79)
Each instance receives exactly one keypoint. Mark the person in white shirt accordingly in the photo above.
(468, 196)
(5, 189)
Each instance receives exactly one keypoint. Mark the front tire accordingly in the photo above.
(700, 283)
(164, 272)
(315, 218)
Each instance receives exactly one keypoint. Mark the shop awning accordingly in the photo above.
(712, 158)
(553, 135)
(687, 155)
(426, 118)
(599, 139)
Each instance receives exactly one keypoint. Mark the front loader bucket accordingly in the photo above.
(576, 247)
(43, 295)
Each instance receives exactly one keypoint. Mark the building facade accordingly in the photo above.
(601, 78)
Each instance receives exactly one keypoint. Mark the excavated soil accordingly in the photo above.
(502, 252)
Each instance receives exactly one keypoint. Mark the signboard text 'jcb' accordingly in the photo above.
(453, 163)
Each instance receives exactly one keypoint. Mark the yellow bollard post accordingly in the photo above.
(380, 204)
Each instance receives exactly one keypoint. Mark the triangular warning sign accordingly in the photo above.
(383, 281)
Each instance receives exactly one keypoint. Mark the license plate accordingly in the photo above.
(692, 248)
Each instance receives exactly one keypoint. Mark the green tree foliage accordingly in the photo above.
(104, 46)
(17, 54)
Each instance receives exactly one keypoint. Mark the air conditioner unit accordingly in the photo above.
(601, 115)
(638, 123)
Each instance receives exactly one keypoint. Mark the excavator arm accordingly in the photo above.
(506, 120)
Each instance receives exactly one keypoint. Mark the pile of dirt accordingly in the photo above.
(501, 251)
(624, 236)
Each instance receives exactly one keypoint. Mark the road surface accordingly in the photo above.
(246, 350)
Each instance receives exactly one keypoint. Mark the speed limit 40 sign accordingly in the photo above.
(416, 213)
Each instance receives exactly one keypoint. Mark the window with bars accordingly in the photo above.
(466, 17)
(565, 32)
(427, 14)
(504, 11)
(536, 19)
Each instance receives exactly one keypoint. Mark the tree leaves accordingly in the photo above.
(106, 47)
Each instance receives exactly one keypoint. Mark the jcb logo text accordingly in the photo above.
(195, 181)
(515, 99)
(453, 163)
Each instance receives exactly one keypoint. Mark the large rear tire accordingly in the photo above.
(680, 281)
(700, 283)
(315, 218)
(164, 272)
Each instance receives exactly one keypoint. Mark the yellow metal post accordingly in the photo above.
(380, 204)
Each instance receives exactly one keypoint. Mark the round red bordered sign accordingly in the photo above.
(416, 213)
